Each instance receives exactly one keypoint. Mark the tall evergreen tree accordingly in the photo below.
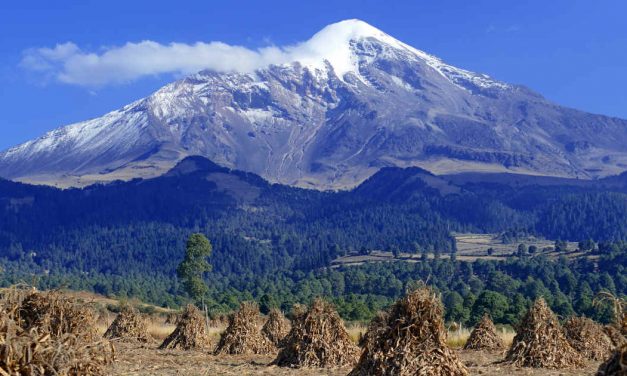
(194, 266)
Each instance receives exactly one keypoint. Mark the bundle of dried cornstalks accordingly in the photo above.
(484, 336)
(190, 332)
(409, 340)
(129, 326)
(243, 335)
(318, 338)
(47, 333)
(276, 328)
(540, 341)
(616, 365)
(587, 337)
(57, 314)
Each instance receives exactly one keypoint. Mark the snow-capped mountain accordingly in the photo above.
(352, 100)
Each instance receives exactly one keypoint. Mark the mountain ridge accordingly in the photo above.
(346, 103)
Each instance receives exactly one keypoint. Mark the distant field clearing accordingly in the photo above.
(470, 247)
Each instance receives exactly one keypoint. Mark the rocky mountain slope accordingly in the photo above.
(360, 101)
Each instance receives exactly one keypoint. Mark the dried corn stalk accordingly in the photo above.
(540, 341)
(190, 332)
(318, 338)
(243, 335)
(129, 326)
(587, 337)
(484, 337)
(409, 340)
(276, 328)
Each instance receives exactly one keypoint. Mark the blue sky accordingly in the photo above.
(572, 52)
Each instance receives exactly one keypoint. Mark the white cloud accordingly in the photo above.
(68, 63)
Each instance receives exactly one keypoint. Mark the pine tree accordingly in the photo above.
(193, 267)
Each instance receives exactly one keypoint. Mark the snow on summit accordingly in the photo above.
(332, 44)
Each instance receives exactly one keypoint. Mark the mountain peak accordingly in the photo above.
(351, 29)
(332, 44)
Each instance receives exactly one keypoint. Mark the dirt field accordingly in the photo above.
(147, 360)
(470, 247)
(474, 246)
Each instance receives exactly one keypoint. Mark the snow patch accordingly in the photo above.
(399, 82)
(258, 116)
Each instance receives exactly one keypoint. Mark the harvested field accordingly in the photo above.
(143, 359)
(474, 246)
(470, 247)
(136, 360)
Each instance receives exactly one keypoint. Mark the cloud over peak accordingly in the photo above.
(68, 63)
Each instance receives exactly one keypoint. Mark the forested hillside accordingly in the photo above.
(128, 237)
